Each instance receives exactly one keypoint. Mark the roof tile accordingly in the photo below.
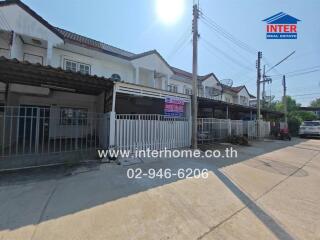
(89, 42)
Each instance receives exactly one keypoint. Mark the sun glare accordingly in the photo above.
(170, 11)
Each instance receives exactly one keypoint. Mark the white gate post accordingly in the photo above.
(112, 129)
(229, 127)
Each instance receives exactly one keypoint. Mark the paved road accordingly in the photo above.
(271, 191)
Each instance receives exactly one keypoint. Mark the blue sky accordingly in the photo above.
(134, 26)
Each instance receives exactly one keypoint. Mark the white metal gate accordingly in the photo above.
(265, 128)
(149, 131)
(236, 128)
(251, 129)
(212, 129)
(30, 130)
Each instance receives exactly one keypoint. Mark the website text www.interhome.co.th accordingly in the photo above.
(168, 153)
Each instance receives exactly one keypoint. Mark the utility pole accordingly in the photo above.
(285, 98)
(258, 84)
(264, 87)
(265, 79)
(195, 77)
(258, 92)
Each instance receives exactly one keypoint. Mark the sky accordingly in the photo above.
(135, 26)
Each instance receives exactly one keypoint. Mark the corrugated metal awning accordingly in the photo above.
(14, 71)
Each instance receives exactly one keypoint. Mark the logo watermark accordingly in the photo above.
(282, 26)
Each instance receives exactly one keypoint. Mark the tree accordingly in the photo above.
(295, 116)
(292, 105)
(315, 103)
(306, 116)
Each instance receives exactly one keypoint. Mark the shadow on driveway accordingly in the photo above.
(63, 193)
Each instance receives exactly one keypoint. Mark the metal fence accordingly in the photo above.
(250, 129)
(212, 129)
(265, 129)
(39, 131)
(148, 131)
(45, 130)
(236, 127)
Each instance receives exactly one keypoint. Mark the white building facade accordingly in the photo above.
(26, 36)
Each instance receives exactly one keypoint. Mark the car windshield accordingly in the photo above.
(311, 124)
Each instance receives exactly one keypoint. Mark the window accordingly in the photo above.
(200, 91)
(228, 99)
(77, 67)
(84, 69)
(172, 88)
(71, 66)
(210, 91)
(243, 100)
(235, 99)
(73, 116)
(188, 91)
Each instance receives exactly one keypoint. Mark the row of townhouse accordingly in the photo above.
(28, 37)
(62, 92)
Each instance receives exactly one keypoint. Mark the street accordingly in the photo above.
(271, 191)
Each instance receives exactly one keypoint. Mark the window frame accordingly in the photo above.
(188, 91)
(75, 120)
(78, 66)
(173, 88)
(210, 91)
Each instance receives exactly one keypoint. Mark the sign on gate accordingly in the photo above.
(174, 107)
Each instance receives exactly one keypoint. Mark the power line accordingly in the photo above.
(233, 49)
(215, 27)
(280, 61)
(179, 49)
(235, 61)
(298, 74)
(223, 35)
(268, 64)
(228, 35)
(303, 73)
(226, 62)
(241, 56)
(297, 71)
(180, 44)
(302, 55)
(305, 97)
(307, 94)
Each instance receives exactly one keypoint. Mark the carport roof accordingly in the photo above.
(205, 102)
(14, 71)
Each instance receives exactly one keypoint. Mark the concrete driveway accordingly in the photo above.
(271, 191)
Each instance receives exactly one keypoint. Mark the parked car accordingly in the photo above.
(310, 128)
